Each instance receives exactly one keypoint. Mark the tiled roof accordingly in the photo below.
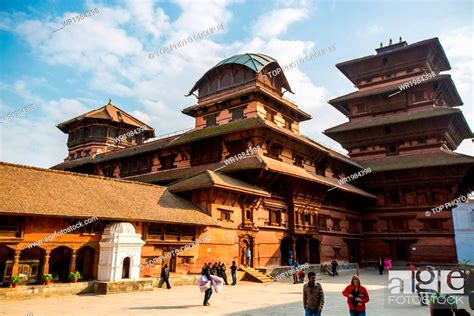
(207, 132)
(33, 191)
(392, 88)
(210, 178)
(392, 119)
(267, 163)
(253, 61)
(420, 160)
(108, 112)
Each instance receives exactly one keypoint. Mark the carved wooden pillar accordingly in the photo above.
(46, 256)
(16, 262)
(72, 265)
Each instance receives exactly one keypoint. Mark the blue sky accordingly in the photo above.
(104, 56)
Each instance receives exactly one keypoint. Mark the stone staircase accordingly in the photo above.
(254, 275)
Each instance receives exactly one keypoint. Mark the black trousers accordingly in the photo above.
(381, 270)
(165, 279)
(224, 276)
(207, 295)
(334, 271)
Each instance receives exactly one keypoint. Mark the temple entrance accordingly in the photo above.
(85, 262)
(314, 256)
(353, 250)
(126, 268)
(6, 254)
(400, 250)
(301, 250)
(286, 251)
(31, 262)
(59, 262)
(245, 245)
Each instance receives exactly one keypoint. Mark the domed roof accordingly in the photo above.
(256, 62)
(122, 227)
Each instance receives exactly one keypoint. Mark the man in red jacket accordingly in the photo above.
(357, 296)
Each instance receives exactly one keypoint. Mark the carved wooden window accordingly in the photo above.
(167, 162)
(274, 217)
(270, 115)
(336, 224)
(211, 120)
(275, 151)
(226, 215)
(237, 113)
(392, 150)
(434, 224)
(10, 226)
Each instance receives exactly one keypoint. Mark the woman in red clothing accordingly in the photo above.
(357, 296)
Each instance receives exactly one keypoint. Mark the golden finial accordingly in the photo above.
(110, 102)
(381, 44)
(390, 43)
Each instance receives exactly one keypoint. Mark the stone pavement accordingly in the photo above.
(277, 299)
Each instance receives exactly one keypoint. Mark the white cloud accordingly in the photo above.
(276, 22)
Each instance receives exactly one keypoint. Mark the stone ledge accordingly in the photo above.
(54, 289)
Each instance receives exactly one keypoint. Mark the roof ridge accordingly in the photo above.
(3, 163)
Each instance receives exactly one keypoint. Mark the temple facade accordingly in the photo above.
(245, 178)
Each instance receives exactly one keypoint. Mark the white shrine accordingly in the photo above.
(120, 252)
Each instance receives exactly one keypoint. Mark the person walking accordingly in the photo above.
(214, 268)
(207, 273)
(357, 296)
(223, 273)
(334, 265)
(164, 276)
(387, 263)
(313, 296)
(219, 269)
(380, 265)
(248, 254)
(233, 271)
(296, 264)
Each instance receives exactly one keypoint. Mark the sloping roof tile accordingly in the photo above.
(210, 178)
(420, 160)
(392, 119)
(33, 191)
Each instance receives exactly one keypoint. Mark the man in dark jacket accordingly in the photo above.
(164, 276)
(233, 271)
(213, 268)
(219, 270)
(207, 295)
(224, 275)
(313, 296)
(334, 265)
(380, 265)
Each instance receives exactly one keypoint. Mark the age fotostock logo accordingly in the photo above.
(429, 282)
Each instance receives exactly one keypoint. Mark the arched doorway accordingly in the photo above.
(246, 244)
(286, 246)
(85, 262)
(31, 262)
(59, 262)
(126, 268)
(301, 250)
(6, 255)
(314, 256)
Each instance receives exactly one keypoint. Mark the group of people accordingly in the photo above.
(313, 297)
(214, 276)
(384, 265)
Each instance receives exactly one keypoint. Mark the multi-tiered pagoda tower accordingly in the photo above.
(407, 138)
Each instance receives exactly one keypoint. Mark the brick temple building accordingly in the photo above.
(285, 199)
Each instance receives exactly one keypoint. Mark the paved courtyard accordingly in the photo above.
(276, 299)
